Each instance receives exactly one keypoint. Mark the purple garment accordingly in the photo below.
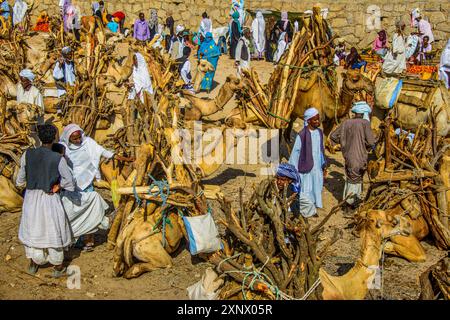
(305, 160)
(141, 30)
(66, 5)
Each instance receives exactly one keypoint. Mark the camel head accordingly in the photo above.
(205, 66)
(234, 83)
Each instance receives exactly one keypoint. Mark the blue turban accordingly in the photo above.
(289, 171)
(362, 107)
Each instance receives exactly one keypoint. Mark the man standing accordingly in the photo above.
(170, 25)
(424, 29)
(177, 43)
(141, 28)
(243, 52)
(354, 136)
(308, 156)
(64, 71)
(44, 228)
(26, 91)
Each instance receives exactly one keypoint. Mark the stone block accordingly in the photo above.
(339, 23)
(436, 17)
(444, 27)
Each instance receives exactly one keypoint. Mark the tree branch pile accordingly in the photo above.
(269, 252)
(272, 104)
(414, 174)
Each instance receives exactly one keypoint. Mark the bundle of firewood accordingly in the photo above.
(309, 50)
(434, 282)
(269, 251)
(412, 172)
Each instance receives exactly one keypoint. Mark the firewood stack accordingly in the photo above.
(309, 50)
(412, 171)
(269, 252)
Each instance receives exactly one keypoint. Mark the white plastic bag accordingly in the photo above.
(387, 92)
(206, 288)
(202, 233)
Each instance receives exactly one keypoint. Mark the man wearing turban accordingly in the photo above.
(64, 71)
(26, 91)
(355, 136)
(287, 176)
(308, 156)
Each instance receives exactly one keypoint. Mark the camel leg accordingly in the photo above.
(139, 268)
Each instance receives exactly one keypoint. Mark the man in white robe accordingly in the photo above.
(44, 228)
(85, 208)
(395, 59)
(19, 10)
(64, 71)
(308, 157)
(142, 81)
(259, 34)
(26, 91)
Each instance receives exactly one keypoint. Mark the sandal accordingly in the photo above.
(32, 268)
(59, 273)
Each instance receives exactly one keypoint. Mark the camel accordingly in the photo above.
(201, 107)
(315, 92)
(145, 245)
(376, 227)
(204, 66)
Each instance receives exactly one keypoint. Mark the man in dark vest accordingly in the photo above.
(243, 52)
(308, 156)
(64, 71)
(44, 227)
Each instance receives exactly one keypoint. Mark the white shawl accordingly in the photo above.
(258, 30)
(19, 11)
(85, 158)
(444, 64)
(141, 78)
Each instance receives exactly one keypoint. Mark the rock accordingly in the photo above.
(7, 257)
(339, 23)
(436, 17)
(444, 27)
(90, 294)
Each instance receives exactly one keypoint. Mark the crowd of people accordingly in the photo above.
(61, 206)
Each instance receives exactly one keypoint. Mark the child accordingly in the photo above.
(425, 47)
(112, 25)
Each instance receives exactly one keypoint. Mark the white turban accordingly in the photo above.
(27, 73)
(179, 29)
(310, 113)
(362, 107)
(66, 50)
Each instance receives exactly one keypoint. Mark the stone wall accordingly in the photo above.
(347, 17)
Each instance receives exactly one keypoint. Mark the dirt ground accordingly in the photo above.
(400, 278)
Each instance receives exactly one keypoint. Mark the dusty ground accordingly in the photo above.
(97, 281)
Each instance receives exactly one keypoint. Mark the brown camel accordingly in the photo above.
(201, 107)
(375, 227)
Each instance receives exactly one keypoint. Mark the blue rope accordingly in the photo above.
(136, 196)
(160, 184)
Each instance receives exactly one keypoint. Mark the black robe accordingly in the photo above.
(235, 36)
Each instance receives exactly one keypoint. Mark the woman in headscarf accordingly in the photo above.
(205, 25)
(354, 61)
(153, 23)
(395, 59)
(84, 207)
(141, 78)
(184, 67)
(379, 45)
(444, 65)
(209, 51)
(259, 34)
(235, 33)
(284, 25)
(19, 10)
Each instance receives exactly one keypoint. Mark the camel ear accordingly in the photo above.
(228, 79)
